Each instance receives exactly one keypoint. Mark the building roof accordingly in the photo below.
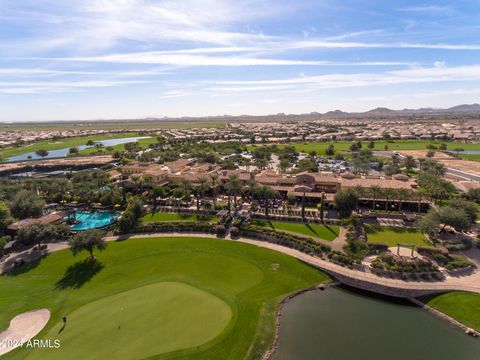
(47, 219)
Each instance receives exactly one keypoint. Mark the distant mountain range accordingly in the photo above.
(385, 112)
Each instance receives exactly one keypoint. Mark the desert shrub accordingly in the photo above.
(234, 231)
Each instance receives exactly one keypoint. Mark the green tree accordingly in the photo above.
(267, 194)
(345, 202)
(409, 163)
(89, 241)
(330, 151)
(456, 218)
(5, 217)
(468, 207)
(27, 204)
(42, 233)
(233, 188)
(429, 224)
(214, 182)
(42, 152)
(73, 150)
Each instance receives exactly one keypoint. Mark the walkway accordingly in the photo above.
(355, 278)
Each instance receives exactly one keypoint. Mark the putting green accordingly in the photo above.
(182, 297)
(150, 320)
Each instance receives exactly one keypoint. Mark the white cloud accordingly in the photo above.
(332, 81)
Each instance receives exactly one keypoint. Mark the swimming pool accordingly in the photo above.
(92, 220)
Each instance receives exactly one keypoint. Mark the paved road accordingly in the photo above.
(463, 174)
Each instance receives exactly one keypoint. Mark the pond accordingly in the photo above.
(92, 220)
(466, 152)
(60, 153)
(339, 324)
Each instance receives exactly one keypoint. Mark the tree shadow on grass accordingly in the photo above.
(21, 265)
(79, 273)
(311, 229)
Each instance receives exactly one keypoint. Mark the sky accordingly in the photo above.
(121, 59)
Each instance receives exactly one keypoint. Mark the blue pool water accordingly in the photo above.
(92, 220)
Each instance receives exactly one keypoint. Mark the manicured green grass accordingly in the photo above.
(323, 232)
(160, 216)
(320, 147)
(462, 306)
(53, 144)
(472, 157)
(161, 308)
(393, 235)
(136, 300)
(144, 144)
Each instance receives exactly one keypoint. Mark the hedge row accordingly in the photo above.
(175, 226)
(300, 243)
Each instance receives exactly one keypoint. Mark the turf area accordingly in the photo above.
(462, 306)
(56, 144)
(128, 315)
(342, 146)
(322, 232)
(393, 235)
(160, 216)
(167, 288)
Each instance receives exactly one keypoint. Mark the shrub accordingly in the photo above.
(300, 243)
(234, 231)
(176, 226)
(220, 230)
(377, 247)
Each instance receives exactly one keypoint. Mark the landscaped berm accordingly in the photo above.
(175, 297)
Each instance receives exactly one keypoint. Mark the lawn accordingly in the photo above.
(157, 297)
(160, 216)
(144, 144)
(320, 147)
(462, 306)
(393, 235)
(56, 144)
(322, 232)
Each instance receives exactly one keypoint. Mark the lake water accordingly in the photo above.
(467, 152)
(60, 153)
(339, 324)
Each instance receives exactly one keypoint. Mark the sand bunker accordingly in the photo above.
(22, 328)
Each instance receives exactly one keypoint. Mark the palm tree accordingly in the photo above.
(186, 186)
(303, 207)
(203, 187)
(375, 191)
(420, 195)
(261, 163)
(214, 181)
(154, 193)
(267, 194)
(388, 193)
(233, 188)
(402, 195)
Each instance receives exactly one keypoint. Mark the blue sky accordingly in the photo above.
(92, 59)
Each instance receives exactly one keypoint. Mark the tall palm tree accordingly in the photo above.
(214, 181)
(203, 187)
(155, 192)
(233, 187)
(402, 195)
(375, 191)
(388, 193)
(303, 206)
(186, 186)
(267, 193)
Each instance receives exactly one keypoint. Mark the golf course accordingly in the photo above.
(156, 298)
